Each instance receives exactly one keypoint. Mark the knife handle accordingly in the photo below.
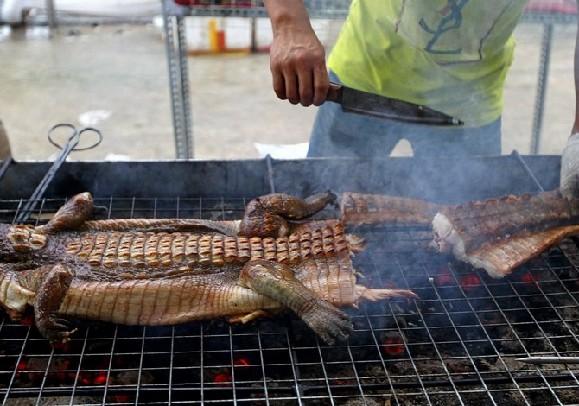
(334, 93)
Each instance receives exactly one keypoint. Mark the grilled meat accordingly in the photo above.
(500, 234)
(475, 223)
(360, 209)
(500, 258)
(496, 235)
(164, 272)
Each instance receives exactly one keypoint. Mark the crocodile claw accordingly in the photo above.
(56, 330)
(333, 200)
(328, 322)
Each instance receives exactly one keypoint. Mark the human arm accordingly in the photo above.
(570, 160)
(297, 57)
(576, 67)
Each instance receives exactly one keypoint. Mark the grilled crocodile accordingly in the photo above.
(496, 235)
(165, 272)
(499, 258)
(501, 234)
(362, 209)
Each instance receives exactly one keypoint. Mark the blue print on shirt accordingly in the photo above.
(451, 20)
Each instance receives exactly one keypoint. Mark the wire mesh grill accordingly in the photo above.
(457, 345)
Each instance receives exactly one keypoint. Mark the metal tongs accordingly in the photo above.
(370, 104)
(71, 145)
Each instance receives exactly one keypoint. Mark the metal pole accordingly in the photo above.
(186, 106)
(178, 82)
(542, 84)
(51, 14)
(253, 45)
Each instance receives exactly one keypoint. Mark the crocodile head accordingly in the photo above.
(16, 245)
(16, 242)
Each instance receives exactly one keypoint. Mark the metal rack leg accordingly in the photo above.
(178, 82)
(253, 45)
(545, 62)
(182, 46)
(51, 14)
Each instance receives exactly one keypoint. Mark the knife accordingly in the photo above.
(370, 104)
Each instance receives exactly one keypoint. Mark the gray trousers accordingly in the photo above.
(340, 134)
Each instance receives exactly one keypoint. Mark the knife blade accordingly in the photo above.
(370, 104)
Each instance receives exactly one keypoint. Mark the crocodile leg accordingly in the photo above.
(48, 300)
(267, 215)
(294, 208)
(72, 215)
(278, 282)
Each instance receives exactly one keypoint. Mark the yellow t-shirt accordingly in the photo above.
(452, 55)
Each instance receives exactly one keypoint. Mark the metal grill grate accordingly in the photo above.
(457, 345)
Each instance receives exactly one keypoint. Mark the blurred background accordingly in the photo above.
(152, 74)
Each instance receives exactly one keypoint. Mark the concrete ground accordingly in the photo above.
(121, 71)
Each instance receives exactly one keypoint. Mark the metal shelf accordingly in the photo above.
(255, 8)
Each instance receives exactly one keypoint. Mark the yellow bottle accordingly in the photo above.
(213, 36)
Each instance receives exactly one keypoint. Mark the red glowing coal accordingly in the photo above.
(22, 365)
(241, 362)
(222, 378)
(62, 347)
(27, 319)
(529, 278)
(84, 379)
(469, 282)
(121, 398)
(393, 345)
(100, 379)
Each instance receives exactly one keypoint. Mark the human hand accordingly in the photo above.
(569, 185)
(298, 65)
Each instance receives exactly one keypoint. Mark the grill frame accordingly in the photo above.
(300, 352)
